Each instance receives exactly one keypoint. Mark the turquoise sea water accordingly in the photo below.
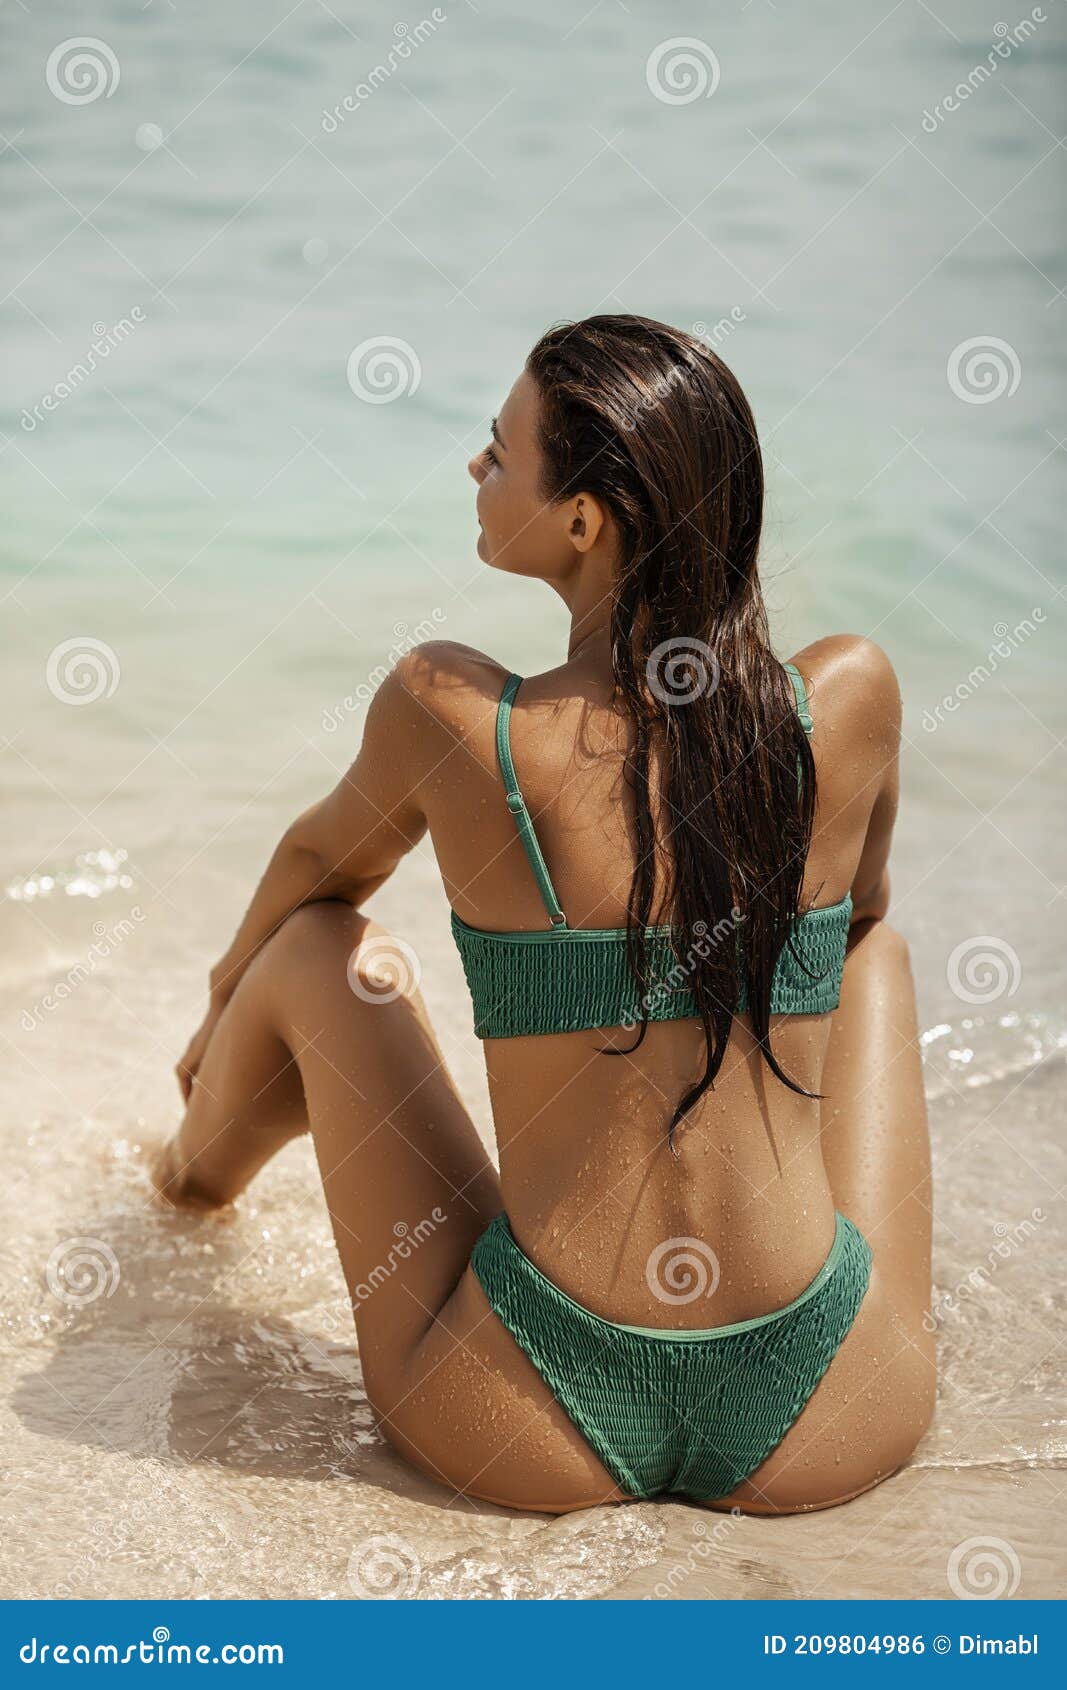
(215, 503)
(211, 530)
(250, 195)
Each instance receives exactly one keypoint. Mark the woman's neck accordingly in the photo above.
(590, 604)
(590, 641)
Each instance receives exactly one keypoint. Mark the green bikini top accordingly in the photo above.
(569, 979)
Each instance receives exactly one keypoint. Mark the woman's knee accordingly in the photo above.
(318, 937)
(328, 921)
(880, 946)
(306, 955)
(330, 962)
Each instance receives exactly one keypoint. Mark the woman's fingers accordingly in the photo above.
(189, 1065)
(186, 1072)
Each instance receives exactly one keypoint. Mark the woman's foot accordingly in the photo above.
(173, 1186)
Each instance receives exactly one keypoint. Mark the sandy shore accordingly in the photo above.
(197, 1426)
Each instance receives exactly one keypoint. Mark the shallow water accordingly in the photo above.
(235, 543)
(184, 1410)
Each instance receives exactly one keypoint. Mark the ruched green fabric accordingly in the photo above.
(690, 1413)
(569, 979)
(564, 979)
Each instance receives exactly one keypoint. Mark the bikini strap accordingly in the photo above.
(517, 804)
(800, 692)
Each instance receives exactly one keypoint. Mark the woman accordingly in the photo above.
(666, 860)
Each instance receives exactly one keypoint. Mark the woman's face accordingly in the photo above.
(520, 531)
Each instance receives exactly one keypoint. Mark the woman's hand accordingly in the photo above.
(189, 1065)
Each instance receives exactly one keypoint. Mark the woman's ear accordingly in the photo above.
(586, 524)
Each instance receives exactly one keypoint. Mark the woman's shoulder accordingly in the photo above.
(849, 663)
(437, 664)
(854, 698)
(449, 683)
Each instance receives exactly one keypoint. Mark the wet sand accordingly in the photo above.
(183, 1412)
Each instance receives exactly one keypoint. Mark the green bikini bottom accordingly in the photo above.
(692, 1413)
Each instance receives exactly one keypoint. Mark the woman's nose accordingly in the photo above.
(476, 469)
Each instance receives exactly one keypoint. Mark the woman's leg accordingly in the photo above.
(875, 1136)
(311, 1039)
(875, 1401)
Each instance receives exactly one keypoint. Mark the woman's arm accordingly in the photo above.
(345, 846)
(876, 719)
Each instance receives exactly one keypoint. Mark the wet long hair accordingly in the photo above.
(648, 420)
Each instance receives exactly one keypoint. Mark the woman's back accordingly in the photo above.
(695, 1274)
(743, 1213)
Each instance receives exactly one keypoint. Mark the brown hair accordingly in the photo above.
(649, 420)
